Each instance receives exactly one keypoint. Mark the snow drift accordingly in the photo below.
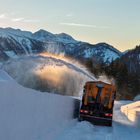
(132, 111)
(48, 74)
(137, 98)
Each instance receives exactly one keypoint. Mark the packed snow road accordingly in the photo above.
(122, 129)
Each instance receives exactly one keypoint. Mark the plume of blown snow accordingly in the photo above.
(48, 74)
(106, 79)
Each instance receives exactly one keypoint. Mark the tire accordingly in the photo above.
(80, 119)
(110, 123)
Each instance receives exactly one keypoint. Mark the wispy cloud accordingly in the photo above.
(83, 25)
(31, 20)
(2, 16)
(17, 19)
(24, 20)
(69, 15)
(13, 18)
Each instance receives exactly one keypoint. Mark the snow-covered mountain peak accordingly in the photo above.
(63, 37)
(105, 45)
(17, 32)
(43, 35)
(42, 32)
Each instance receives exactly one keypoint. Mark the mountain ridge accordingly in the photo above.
(17, 42)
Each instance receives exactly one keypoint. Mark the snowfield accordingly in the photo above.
(27, 114)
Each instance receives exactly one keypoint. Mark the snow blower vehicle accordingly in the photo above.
(97, 103)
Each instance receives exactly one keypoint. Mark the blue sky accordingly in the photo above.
(116, 22)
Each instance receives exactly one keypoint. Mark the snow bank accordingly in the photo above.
(5, 77)
(27, 114)
(132, 111)
(137, 98)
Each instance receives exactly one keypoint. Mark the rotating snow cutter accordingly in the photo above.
(97, 103)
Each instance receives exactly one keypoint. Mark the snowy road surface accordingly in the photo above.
(122, 129)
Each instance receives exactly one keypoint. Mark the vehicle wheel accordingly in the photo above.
(80, 119)
(110, 123)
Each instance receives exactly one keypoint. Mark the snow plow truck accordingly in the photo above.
(97, 103)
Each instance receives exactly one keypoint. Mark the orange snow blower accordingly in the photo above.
(97, 103)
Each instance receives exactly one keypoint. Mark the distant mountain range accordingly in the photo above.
(15, 42)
